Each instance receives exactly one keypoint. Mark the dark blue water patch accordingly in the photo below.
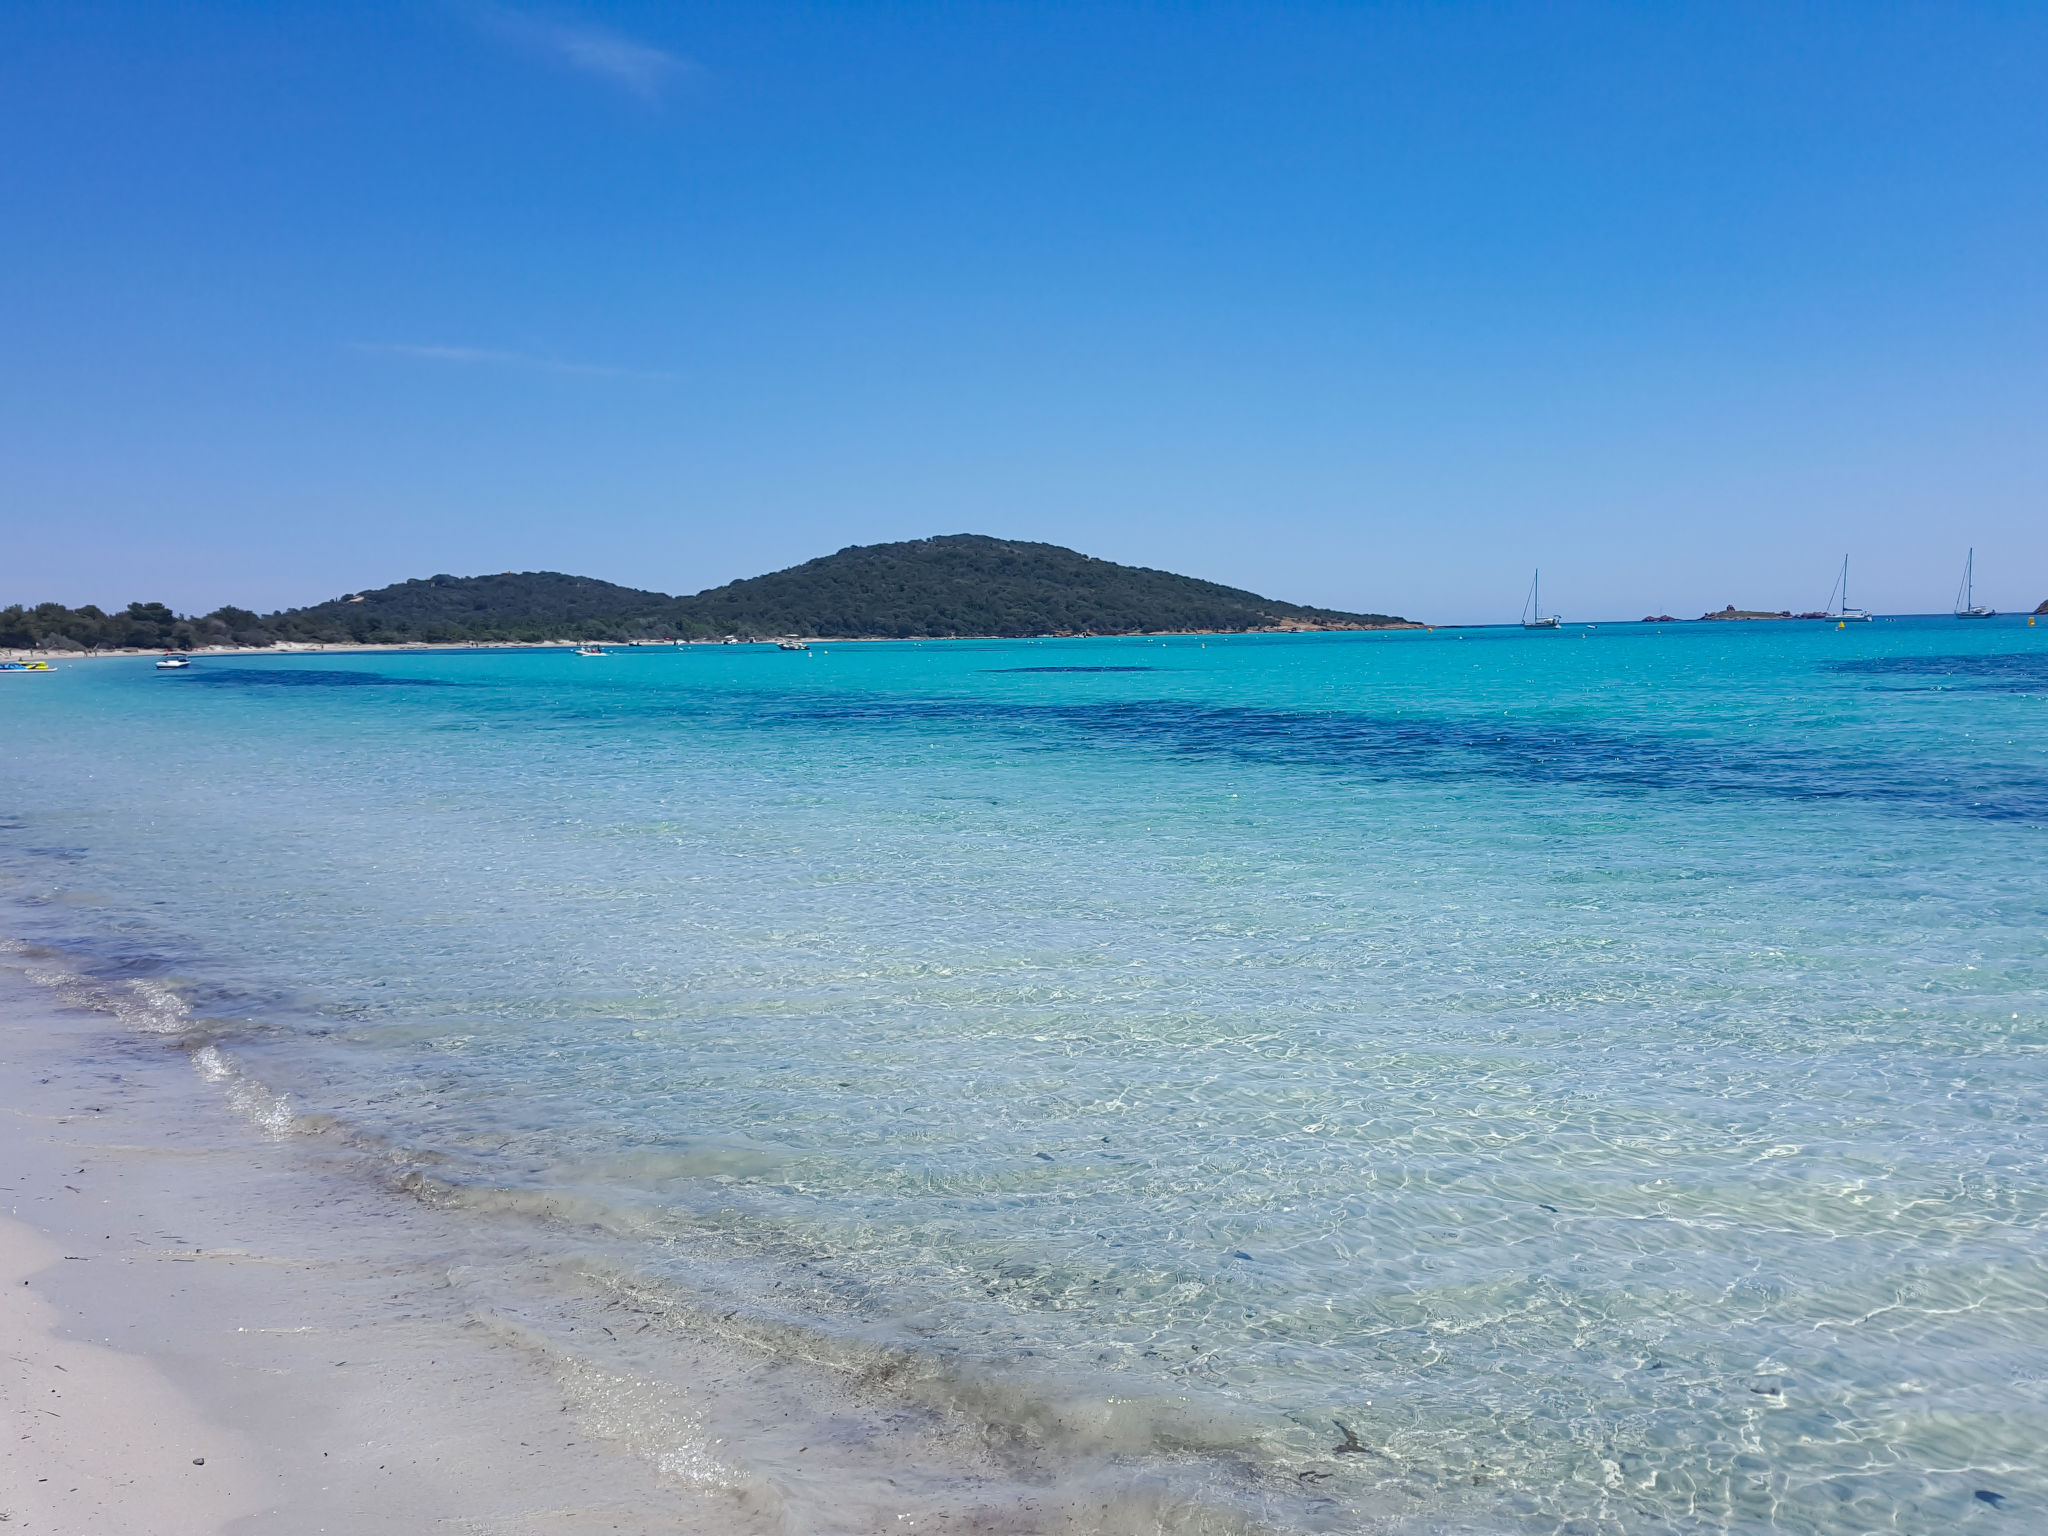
(1373, 748)
(264, 677)
(996, 671)
(2005, 672)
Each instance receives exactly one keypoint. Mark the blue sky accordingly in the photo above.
(1372, 306)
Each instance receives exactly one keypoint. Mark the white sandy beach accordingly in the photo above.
(97, 1438)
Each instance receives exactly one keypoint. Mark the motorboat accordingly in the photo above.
(174, 663)
(590, 650)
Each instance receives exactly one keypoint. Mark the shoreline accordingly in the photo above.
(351, 1356)
(398, 647)
(265, 1325)
(350, 647)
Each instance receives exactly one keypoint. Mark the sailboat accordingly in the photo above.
(1966, 595)
(1533, 616)
(1845, 614)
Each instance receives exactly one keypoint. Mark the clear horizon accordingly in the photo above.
(1373, 309)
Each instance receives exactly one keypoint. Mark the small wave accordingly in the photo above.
(152, 1007)
(916, 1459)
(565, 1207)
(1012, 1405)
(268, 1112)
(655, 1422)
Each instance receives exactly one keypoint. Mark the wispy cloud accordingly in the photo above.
(639, 67)
(490, 358)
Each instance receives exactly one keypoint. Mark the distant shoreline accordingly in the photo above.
(349, 647)
(315, 648)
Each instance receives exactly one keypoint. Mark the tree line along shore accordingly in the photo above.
(955, 586)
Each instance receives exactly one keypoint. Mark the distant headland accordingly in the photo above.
(955, 586)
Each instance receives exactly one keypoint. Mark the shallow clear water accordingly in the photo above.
(1606, 1073)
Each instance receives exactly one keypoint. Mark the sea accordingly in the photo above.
(1440, 1080)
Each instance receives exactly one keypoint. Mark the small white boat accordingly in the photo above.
(1533, 616)
(590, 650)
(791, 645)
(173, 663)
(1966, 594)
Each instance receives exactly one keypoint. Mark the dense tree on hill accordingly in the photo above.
(53, 627)
(524, 605)
(968, 584)
(960, 585)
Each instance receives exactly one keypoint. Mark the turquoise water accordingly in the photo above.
(1604, 1073)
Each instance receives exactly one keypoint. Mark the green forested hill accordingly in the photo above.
(517, 605)
(968, 584)
(959, 585)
